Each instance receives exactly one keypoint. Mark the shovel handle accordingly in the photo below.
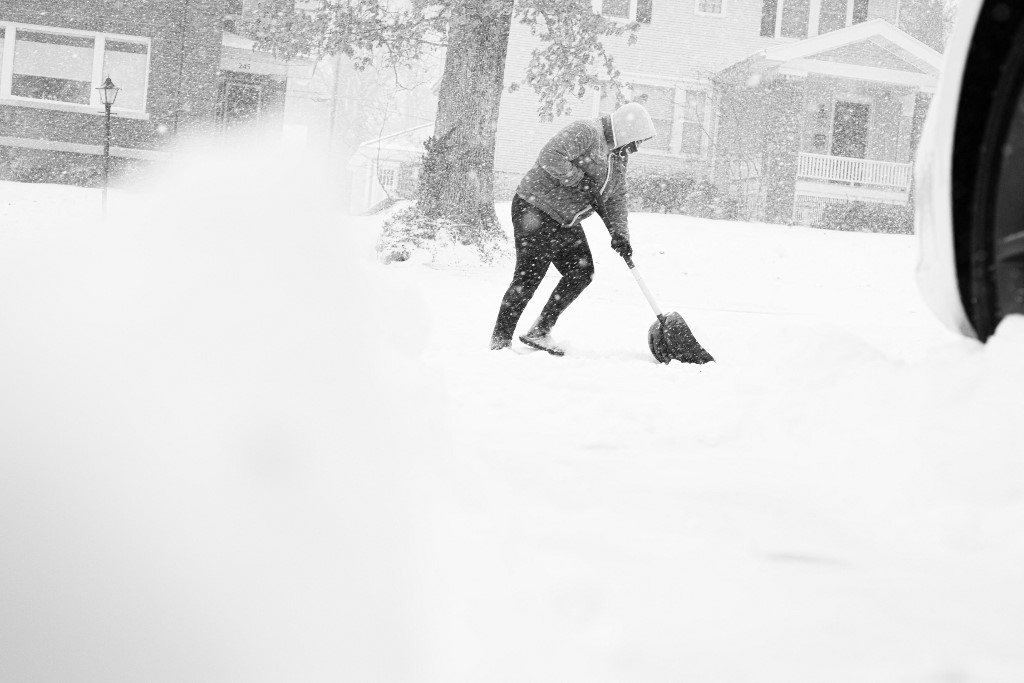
(643, 288)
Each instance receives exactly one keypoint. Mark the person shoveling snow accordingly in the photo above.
(581, 170)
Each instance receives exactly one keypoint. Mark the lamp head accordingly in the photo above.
(108, 92)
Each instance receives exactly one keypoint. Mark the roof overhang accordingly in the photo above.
(405, 145)
(850, 53)
(239, 54)
(805, 67)
(408, 139)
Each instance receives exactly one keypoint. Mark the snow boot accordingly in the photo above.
(542, 341)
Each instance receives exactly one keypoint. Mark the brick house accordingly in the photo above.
(786, 105)
(180, 69)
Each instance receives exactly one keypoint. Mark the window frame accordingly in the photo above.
(229, 21)
(813, 19)
(813, 12)
(679, 90)
(680, 119)
(630, 13)
(700, 13)
(100, 38)
(389, 174)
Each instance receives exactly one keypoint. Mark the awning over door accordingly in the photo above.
(238, 54)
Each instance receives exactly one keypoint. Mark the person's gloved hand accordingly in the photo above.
(620, 243)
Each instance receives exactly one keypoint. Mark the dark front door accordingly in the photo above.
(242, 104)
(850, 130)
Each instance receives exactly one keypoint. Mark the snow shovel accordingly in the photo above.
(669, 336)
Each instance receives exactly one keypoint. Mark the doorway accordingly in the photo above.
(243, 103)
(850, 130)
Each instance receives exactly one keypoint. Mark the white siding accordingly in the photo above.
(679, 47)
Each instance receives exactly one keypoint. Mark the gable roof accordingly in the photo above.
(877, 35)
(870, 51)
(408, 140)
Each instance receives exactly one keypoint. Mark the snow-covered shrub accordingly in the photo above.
(868, 217)
(46, 166)
(667, 192)
(409, 234)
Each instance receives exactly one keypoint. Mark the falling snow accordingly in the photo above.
(249, 440)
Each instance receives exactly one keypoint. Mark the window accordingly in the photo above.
(644, 11)
(615, 8)
(52, 66)
(658, 102)
(386, 177)
(833, 16)
(795, 16)
(670, 112)
(232, 13)
(127, 63)
(636, 10)
(710, 7)
(792, 18)
(63, 66)
(769, 10)
(860, 11)
(693, 122)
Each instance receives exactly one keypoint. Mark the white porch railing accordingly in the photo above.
(888, 174)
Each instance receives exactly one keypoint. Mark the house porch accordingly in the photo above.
(830, 120)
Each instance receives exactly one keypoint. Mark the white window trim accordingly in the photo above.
(99, 48)
(387, 170)
(678, 106)
(598, 6)
(699, 13)
(677, 128)
(813, 18)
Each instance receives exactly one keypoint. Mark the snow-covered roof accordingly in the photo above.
(408, 140)
(873, 50)
(876, 32)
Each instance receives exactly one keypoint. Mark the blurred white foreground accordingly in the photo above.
(235, 448)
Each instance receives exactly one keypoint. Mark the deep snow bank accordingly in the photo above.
(838, 498)
(209, 412)
(228, 432)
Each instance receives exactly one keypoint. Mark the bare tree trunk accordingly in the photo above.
(457, 181)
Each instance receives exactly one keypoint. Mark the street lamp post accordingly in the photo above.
(108, 94)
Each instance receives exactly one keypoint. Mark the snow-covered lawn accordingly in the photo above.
(233, 447)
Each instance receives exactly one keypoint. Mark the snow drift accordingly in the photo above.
(236, 447)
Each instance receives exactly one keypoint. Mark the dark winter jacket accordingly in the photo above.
(577, 173)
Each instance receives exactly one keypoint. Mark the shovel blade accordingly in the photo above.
(670, 338)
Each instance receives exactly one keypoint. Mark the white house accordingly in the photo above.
(377, 166)
(839, 94)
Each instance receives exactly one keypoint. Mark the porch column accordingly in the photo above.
(921, 103)
(783, 123)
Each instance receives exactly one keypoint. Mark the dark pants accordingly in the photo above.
(541, 241)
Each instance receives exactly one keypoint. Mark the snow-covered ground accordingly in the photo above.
(233, 447)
